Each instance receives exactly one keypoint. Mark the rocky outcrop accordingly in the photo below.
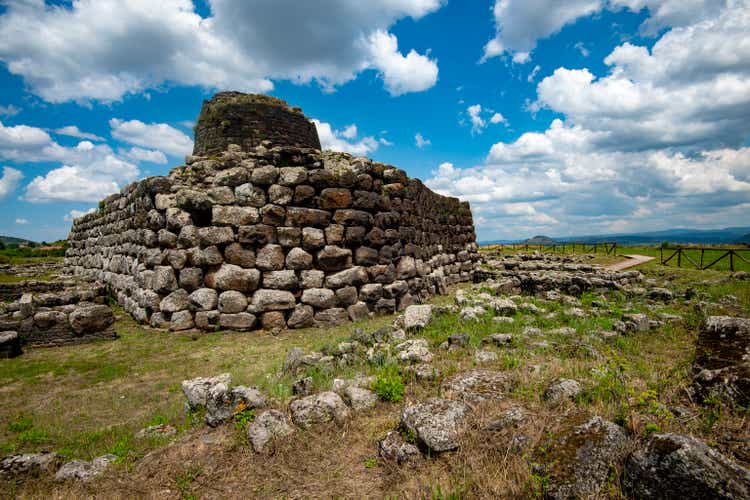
(436, 423)
(675, 466)
(722, 360)
(299, 237)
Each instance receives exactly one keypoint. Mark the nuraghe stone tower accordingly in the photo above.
(260, 228)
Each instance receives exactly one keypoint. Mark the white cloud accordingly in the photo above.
(74, 214)
(519, 24)
(140, 154)
(9, 110)
(385, 142)
(498, 118)
(9, 181)
(533, 73)
(17, 142)
(243, 45)
(477, 122)
(421, 141)
(21, 221)
(401, 74)
(74, 131)
(152, 135)
(582, 49)
(338, 140)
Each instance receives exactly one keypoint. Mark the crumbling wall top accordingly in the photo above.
(248, 120)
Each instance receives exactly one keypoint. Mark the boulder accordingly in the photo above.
(178, 300)
(181, 320)
(322, 298)
(360, 399)
(232, 277)
(562, 389)
(333, 258)
(482, 356)
(196, 390)
(242, 321)
(414, 351)
(581, 458)
(436, 422)
(232, 301)
(10, 345)
(204, 299)
(28, 465)
(318, 409)
(676, 466)
(266, 427)
(417, 317)
(503, 307)
(298, 259)
(273, 300)
(302, 316)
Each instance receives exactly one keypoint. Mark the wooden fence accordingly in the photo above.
(667, 254)
(607, 248)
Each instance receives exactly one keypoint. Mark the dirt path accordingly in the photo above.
(631, 261)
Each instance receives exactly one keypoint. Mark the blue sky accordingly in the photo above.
(558, 118)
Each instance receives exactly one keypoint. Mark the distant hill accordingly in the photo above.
(540, 240)
(10, 240)
(724, 236)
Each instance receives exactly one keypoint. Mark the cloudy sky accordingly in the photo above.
(550, 117)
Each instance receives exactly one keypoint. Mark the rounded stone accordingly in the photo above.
(232, 302)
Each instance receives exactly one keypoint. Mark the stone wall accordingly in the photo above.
(273, 236)
(68, 316)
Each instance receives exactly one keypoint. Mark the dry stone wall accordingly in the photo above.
(273, 236)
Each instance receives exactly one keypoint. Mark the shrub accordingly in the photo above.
(389, 385)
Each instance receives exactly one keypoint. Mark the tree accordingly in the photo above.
(2, 245)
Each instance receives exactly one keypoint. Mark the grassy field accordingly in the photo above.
(83, 401)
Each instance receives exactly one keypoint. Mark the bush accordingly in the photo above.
(389, 385)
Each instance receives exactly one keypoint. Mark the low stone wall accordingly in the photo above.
(70, 316)
(13, 291)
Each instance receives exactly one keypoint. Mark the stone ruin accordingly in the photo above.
(260, 228)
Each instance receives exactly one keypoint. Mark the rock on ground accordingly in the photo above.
(156, 431)
(222, 403)
(80, 470)
(196, 390)
(562, 389)
(360, 399)
(482, 356)
(318, 409)
(476, 385)
(675, 466)
(436, 422)
(393, 447)
(582, 457)
(28, 465)
(722, 361)
(267, 426)
(416, 317)
(414, 350)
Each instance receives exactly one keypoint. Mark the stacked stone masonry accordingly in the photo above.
(273, 236)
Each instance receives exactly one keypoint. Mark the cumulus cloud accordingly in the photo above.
(74, 214)
(22, 141)
(140, 154)
(340, 140)
(478, 122)
(158, 136)
(74, 131)
(421, 141)
(22, 221)
(519, 24)
(9, 181)
(243, 45)
(660, 140)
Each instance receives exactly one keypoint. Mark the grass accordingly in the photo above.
(83, 401)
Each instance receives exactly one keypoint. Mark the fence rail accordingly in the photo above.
(607, 248)
(668, 254)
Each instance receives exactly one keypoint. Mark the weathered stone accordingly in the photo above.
(503, 307)
(360, 399)
(239, 255)
(222, 403)
(371, 292)
(191, 278)
(346, 296)
(164, 280)
(307, 217)
(394, 448)
(265, 175)
(333, 258)
(582, 458)
(80, 470)
(298, 259)
(355, 276)
(318, 409)
(178, 300)
(349, 217)
(231, 277)
(273, 320)
(204, 299)
(417, 317)
(207, 320)
(335, 234)
(249, 195)
(240, 321)
(273, 300)
(232, 301)
(289, 236)
(215, 235)
(234, 216)
(312, 278)
(332, 198)
(358, 311)
(476, 385)
(10, 344)
(196, 390)
(302, 317)
(313, 238)
(562, 389)
(266, 427)
(181, 320)
(322, 298)
(291, 176)
(414, 351)
(436, 423)
(334, 316)
(90, 319)
(28, 465)
(675, 466)
(280, 195)
(257, 235)
(406, 268)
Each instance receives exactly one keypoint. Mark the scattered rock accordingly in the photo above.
(414, 351)
(423, 371)
(360, 399)
(28, 465)
(510, 417)
(266, 427)
(222, 403)
(156, 431)
(81, 470)
(393, 447)
(504, 307)
(499, 339)
(303, 386)
(675, 466)
(318, 409)
(196, 390)
(562, 389)
(436, 422)
(482, 356)
(417, 317)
